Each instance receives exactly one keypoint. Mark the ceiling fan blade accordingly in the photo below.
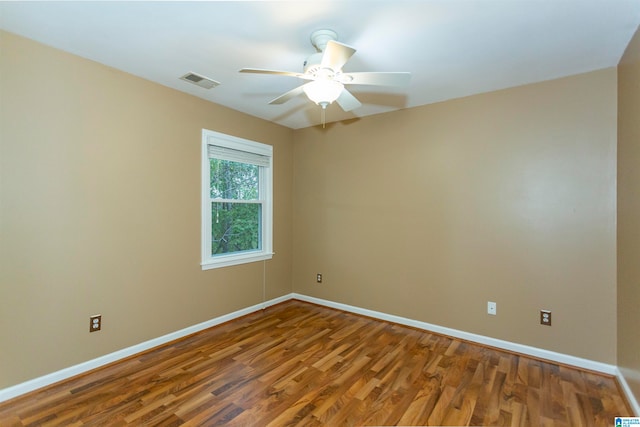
(376, 79)
(347, 101)
(276, 72)
(288, 95)
(335, 55)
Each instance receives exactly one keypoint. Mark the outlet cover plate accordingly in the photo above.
(95, 323)
(545, 317)
(492, 308)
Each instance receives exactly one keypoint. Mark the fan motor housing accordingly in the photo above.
(312, 63)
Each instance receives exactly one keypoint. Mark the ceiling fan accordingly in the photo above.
(327, 82)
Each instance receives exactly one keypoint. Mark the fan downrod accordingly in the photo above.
(320, 38)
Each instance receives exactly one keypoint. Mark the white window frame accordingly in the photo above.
(208, 261)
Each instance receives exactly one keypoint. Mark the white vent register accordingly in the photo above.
(199, 80)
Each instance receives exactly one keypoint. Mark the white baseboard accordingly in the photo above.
(481, 339)
(63, 374)
(36, 383)
(635, 406)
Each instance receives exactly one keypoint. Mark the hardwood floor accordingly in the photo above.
(301, 364)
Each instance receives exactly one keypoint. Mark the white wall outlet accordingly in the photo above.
(545, 317)
(95, 323)
(492, 308)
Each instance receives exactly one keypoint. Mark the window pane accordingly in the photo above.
(235, 227)
(233, 180)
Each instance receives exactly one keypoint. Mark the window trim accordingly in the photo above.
(208, 262)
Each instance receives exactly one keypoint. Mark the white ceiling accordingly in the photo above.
(453, 48)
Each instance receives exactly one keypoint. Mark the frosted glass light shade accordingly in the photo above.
(323, 92)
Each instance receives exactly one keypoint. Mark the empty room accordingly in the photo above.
(320, 213)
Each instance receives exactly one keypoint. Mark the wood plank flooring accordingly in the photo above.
(300, 364)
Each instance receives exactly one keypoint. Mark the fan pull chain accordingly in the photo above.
(323, 104)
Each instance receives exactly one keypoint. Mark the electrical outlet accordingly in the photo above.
(319, 277)
(492, 308)
(545, 317)
(95, 323)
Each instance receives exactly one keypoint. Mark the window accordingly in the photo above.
(236, 200)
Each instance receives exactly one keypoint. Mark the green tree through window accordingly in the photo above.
(236, 212)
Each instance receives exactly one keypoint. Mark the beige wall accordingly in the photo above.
(629, 215)
(100, 211)
(430, 212)
(425, 213)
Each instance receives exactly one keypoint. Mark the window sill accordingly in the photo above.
(229, 260)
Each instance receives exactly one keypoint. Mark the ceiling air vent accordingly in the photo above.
(199, 80)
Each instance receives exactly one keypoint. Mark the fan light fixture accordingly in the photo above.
(324, 69)
(323, 91)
